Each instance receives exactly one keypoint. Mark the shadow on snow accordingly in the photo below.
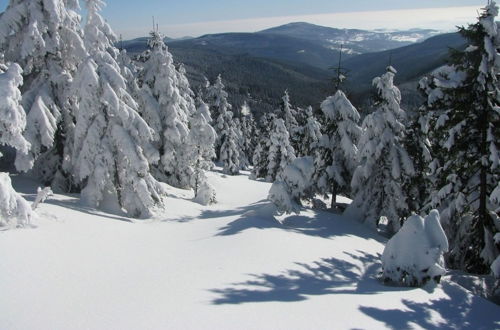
(460, 310)
(327, 276)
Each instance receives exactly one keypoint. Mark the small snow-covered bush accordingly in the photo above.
(292, 185)
(205, 194)
(414, 255)
(14, 209)
(41, 196)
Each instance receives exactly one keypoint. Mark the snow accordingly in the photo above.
(211, 267)
(415, 254)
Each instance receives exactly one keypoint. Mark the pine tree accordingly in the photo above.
(281, 153)
(293, 185)
(310, 134)
(417, 144)
(463, 99)
(14, 210)
(289, 115)
(248, 130)
(166, 105)
(112, 142)
(383, 161)
(229, 149)
(217, 100)
(261, 153)
(337, 152)
(12, 115)
(44, 38)
(201, 139)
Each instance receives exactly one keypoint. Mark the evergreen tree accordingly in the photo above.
(14, 210)
(310, 134)
(217, 100)
(166, 105)
(44, 38)
(229, 149)
(293, 185)
(248, 130)
(240, 141)
(289, 117)
(261, 153)
(417, 144)
(463, 99)
(112, 144)
(281, 153)
(383, 161)
(201, 138)
(12, 115)
(336, 156)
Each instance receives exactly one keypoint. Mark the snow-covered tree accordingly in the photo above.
(417, 144)
(281, 152)
(383, 161)
(309, 134)
(44, 38)
(336, 156)
(112, 143)
(414, 256)
(229, 149)
(248, 130)
(288, 114)
(217, 100)
(294, 184)
(12, 115)
(201, 139)
(464, 102)
(165, 108)
(260, 158)
(14, 210)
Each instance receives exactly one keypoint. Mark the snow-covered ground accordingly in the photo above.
(227, 266)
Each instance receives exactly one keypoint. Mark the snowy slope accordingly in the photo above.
(227, 266)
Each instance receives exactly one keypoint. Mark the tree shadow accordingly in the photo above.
(75, 204)
(327, 276)
(327, 224)
(460, 310)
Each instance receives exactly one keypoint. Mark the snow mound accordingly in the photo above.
(415, 254)
(14, 210)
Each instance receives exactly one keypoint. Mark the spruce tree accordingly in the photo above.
(281, 152)
(112, 144)
(45, 39)
(337, 153)
(261, 153)
(384, 163)
(201, 139)
(217, 100)
(248, 130)
(463, 100)
(14, 209)
(288, 114)
(229, 149)
(166, 105)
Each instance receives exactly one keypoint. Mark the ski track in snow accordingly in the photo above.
(226, 266)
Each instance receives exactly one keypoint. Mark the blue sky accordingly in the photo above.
(196, 17)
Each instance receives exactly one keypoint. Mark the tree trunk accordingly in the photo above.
(334, 196)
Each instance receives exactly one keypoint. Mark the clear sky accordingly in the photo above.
(179, 18)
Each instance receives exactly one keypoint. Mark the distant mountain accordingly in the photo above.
(297, 56)
(353, 41)
(296, 42)
(259, 81)
(411, 61)
(271, 46)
